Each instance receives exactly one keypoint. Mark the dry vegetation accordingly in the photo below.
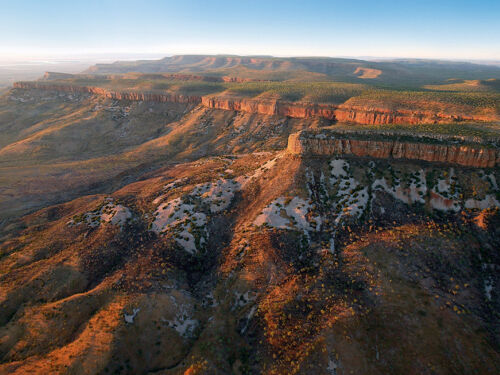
(172, 238)
(256, 300)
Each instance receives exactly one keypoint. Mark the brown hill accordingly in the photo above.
(266, 263)
(188, 239)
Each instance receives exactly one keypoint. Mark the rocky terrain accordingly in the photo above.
(169, 222)
(264, 263)
(432, 149)
(371, 114)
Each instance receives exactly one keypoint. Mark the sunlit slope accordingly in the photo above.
(263, 264)
(343, 101)
(57, 147)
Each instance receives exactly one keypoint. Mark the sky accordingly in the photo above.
(446, 29)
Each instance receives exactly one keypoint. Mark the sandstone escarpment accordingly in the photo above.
(271, 107)
(112, 94)
(321, 144)
(381, 116)
(339, 113)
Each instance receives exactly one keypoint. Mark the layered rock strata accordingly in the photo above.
(339, 113)
(320, 144)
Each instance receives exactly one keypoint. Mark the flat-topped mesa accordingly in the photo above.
(328, 143)
(119, 95)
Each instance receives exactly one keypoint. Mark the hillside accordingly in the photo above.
(93, 143)
(340, 101)
(229, 215)
(56, 146)
(266, 263)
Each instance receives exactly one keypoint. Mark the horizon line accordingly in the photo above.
(131, 56)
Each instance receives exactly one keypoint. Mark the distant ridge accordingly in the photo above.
(403, 72)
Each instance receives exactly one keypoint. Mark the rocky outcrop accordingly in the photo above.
(271, 107)
(321, 144)
(381, 116)
(120, 95)
(339, 113)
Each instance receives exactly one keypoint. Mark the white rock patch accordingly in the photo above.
(442, 197)
(487, 202)
(182, 219)
(339, 168)
(112, 213)
(272, 216)
(415, 192)
(183, 323)
(352, 200)
(116, 215)
(168, 187)
(242, 299)
(130, 318)
(185, 218)
(219, 193)
(350, 196)
(291, 215)
(245, 179)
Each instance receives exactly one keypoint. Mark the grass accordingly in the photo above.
(406, 99)
(486, 130)
(491, 85)
(309, 91)
(327, 92)
(323, 92)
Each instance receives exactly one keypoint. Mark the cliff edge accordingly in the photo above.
(347, 113)
(326, 143)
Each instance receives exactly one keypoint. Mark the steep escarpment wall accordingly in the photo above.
(271, 107)
(340, 113)
(321, 144)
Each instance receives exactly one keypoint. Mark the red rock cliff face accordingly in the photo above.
(271, 107)
(380, 116)
(470, 156)
(340, 113)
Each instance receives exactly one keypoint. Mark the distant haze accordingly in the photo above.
(445, 29)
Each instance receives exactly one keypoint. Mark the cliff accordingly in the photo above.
(120, 95)
(340, 113)
(271, 107)
(320, 144)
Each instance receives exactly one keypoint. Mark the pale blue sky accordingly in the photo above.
(385, 28)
